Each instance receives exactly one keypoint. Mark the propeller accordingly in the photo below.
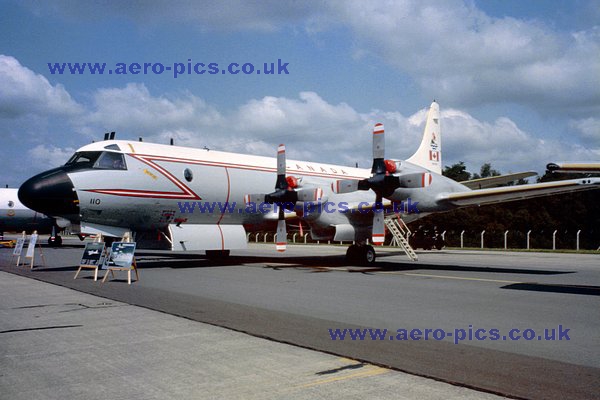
(285, 197)
(382, 182)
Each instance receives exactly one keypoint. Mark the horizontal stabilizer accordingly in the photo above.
(494, 181)
(510, 193)
(579, 167)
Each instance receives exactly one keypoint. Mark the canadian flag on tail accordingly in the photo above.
(434, 155)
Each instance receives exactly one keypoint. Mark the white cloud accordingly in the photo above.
(223, 15)
(465, 57)
(588, 130)
(24, 92)
(134, 110)
(48, 156)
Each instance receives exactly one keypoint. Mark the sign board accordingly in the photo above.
(19, 247)
(31, 246)
(121, 255)
(92, 254)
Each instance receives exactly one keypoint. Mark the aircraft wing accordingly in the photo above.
(499, 180)
(511, 193)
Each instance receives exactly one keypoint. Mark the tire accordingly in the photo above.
(352, 254)
(368, 255)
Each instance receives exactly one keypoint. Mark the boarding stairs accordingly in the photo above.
(400, 234)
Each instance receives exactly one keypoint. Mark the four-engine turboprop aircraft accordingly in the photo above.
(15, 217)
(166, 193)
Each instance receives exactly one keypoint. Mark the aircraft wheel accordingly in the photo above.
(361, 255)
(368, 255)
(217, 254)
(353, 253)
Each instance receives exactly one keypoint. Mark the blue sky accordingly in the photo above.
(518, 82)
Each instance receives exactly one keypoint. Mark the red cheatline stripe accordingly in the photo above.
(378, 129)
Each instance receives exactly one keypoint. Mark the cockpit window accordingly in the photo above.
(112, 147)
(97, 160)
(83, 158)
(109, 160)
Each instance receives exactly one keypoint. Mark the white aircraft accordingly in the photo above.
(165, 192)
(15, 217)
(577, 167)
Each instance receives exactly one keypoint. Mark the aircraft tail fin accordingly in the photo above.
(429, 153)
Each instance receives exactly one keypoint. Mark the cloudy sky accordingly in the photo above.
(518, 82)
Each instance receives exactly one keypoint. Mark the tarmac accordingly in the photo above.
(256, 326)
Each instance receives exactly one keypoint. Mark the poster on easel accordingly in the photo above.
(120, 256)
(19, 247)
(92, 255)
(93, 258)
(33, 240)
(31, 246)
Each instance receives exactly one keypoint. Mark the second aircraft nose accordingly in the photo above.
(50, 193)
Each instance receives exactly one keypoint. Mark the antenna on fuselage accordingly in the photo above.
(140, 139)
(171, 142)
(112, 136)
(106, 136)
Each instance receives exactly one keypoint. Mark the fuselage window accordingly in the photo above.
(188, 175)
(109, 160)
(11, 204)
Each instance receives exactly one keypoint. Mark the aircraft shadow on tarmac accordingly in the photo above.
(555, 288)
(313, 264)
(318, 264)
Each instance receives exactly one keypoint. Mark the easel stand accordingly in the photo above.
(128, 269)
(95, 267)
(126, 239)
(33, 241)
(18, 249)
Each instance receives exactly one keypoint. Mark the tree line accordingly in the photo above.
(567, 213)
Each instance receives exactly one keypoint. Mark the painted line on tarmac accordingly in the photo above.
(452, 277)
(371, 370)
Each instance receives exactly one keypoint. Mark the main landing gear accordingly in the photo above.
(361, 254)
(54, 240)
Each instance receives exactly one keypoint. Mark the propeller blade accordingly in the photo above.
(256, 198)
(310, 194)
(345, 186)
(378, 149)
(281, 242)
(282, 182)
(378, 228)
(378, 231)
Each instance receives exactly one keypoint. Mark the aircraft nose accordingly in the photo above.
(50, 193)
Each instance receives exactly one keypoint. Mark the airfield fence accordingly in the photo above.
(487, 239)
